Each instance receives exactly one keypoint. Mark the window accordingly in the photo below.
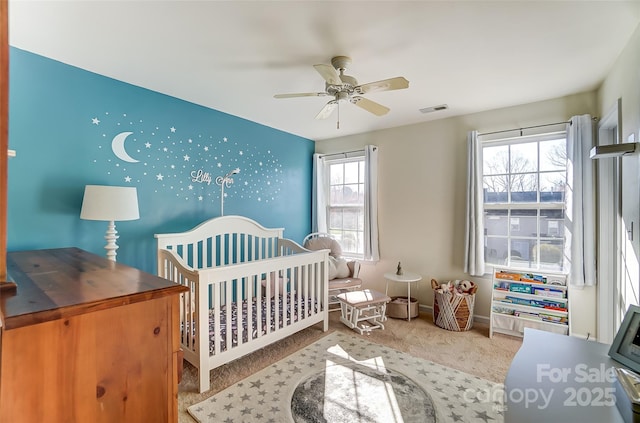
(345, 205)
(345, 200)
(524, 181)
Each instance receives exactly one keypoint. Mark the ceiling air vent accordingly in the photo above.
(434, 108)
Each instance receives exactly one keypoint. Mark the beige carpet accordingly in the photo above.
(471, 352)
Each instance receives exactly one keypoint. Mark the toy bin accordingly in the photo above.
(400, 307)
(452, 310)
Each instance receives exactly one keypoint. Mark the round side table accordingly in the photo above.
(406, 277)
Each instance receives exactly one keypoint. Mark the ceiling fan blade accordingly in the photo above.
(300, 95)
(397, 83)
(327, 109)
(329, 74)
(370, 106)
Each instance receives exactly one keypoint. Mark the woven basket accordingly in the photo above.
(398, 306)
(453, 311)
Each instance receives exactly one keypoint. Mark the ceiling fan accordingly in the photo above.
(345, 88)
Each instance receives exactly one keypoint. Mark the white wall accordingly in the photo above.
(422, 184)
(623, 82)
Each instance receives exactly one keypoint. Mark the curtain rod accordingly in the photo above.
(523, 128)
(344, 153)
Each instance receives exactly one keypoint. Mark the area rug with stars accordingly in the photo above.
(345, 378)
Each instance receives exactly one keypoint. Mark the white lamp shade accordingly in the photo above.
(109, 203)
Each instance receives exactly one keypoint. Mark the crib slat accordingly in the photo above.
(255, 293)
(269, 303)
(228, 290)
(292, 294)
(239, 300)
(203, 254)
(244, 247)
(307, 297)
(259, 303)
(188, 314)
(315, 294)
(216, 305)
(213, 252)
(300, 314)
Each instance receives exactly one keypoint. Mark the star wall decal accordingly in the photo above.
(166, 157)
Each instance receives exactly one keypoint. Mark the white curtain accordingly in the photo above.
(580, 219)
(371, 250)
(474, 243)
(319, 195)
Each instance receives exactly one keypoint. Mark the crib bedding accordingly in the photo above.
(307, 308)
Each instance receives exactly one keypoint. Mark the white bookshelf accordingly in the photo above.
(523, 299)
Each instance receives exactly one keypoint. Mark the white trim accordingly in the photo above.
(346, 156)
(608, 316)
(517, 139)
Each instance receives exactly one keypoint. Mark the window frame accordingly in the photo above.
(539, 206)
(338, 232)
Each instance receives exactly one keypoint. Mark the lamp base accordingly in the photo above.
(111, 237)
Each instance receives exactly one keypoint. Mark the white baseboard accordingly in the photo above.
(486, 320)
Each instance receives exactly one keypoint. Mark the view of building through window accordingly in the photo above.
(524, 183)
(346, 204)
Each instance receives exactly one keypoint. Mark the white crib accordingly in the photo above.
(245, 278)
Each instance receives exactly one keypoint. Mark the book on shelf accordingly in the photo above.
(554, 319)
(547, 303)
(540, 317)
(516, 300)
(501, 286)
(550, 305)
(532, 278)
(525, 315)
(549, 292)
(501, 274)
(503, 310)
(520, 287)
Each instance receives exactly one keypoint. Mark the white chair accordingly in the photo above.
(343, 274)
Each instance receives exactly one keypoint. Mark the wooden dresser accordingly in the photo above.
(85, 339)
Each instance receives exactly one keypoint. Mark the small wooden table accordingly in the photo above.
(86, 339)
(406, 277)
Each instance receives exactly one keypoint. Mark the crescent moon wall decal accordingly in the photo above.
(117, 145)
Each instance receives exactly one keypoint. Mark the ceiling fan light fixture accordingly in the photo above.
(342, 96)
(343, 87)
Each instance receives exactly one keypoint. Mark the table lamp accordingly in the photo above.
(109, 203)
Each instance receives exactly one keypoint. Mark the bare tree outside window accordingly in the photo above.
(556, 154)
(506, 173)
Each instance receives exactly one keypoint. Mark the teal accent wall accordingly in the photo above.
(72, 128)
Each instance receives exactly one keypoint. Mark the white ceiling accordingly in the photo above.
(233, 56)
